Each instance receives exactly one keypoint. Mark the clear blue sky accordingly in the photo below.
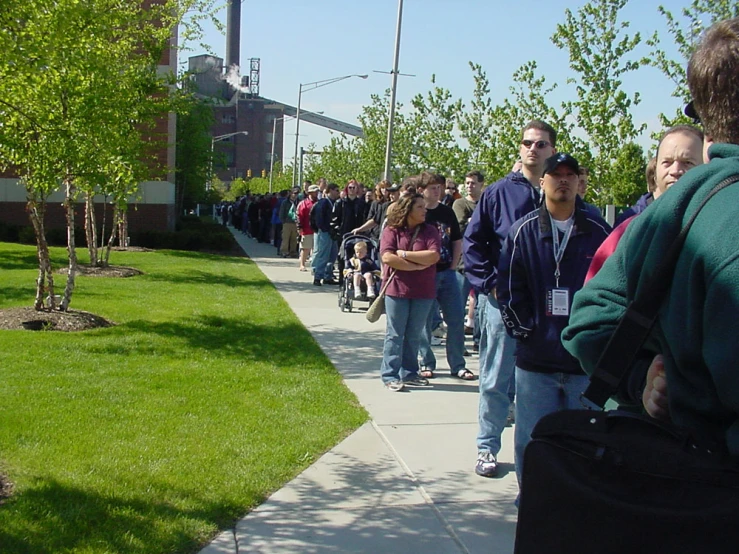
(302, 41)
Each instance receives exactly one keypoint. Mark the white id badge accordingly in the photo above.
(558, 302)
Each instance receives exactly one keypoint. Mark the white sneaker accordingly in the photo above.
(440, 331)
(436, 341)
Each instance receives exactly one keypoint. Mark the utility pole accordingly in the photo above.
(393, 89)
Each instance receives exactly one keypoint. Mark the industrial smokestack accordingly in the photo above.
(233, 33)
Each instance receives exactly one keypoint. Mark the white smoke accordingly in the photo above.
(233, 78)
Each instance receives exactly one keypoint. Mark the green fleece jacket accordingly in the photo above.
(698, 326)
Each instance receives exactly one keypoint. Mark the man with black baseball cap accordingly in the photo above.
(542, 263)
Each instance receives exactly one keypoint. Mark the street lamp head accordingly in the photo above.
(362, 76)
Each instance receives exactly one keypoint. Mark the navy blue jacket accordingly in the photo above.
(324, 207)
(500, 205)
(526, 274)
(641, 205)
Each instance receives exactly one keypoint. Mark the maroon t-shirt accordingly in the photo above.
(411, 284)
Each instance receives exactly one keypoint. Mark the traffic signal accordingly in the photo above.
(248, 173)
(264, 173)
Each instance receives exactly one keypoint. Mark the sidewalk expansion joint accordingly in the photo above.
(422, 491)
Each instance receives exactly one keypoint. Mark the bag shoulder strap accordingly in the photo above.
(637, 322)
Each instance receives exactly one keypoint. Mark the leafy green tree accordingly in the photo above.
(698, 16)
(79, 96)
(601, 53)
(194, 164)
(434, 123)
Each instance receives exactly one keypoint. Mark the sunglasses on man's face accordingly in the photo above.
(540, 144)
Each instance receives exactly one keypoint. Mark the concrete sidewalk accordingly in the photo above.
(402, 482)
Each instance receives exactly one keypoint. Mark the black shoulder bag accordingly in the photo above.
(624, 483)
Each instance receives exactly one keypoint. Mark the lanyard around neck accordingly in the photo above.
(560, 247)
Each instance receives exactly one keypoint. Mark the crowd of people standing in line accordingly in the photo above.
(519, 251)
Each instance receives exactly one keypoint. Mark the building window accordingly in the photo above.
(228, 118)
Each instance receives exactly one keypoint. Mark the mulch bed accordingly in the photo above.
(48, 320)
(109, 271)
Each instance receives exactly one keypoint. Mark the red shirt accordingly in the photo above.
(607, 248)
(411, 284)
(304, 216)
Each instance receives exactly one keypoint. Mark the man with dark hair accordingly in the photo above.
(501, 203)
(584, 177)
(696, 328)
(463, 208)
(543, 262)
(288, 216)
(448, 293)
(324, 247)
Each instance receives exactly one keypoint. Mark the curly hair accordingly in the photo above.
(398, 216)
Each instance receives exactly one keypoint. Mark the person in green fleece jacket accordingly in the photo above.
(697, 331)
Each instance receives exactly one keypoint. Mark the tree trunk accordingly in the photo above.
(36, 211)
(91, 230)
(71, 247)
(123, 230)
(117, 214)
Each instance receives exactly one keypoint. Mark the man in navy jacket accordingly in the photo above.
(500, 205)
(542, 264)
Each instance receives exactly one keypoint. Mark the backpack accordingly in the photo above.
(313, 217)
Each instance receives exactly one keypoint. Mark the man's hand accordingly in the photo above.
(654, 396)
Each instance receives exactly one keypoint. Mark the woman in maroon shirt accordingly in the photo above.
(411, 248)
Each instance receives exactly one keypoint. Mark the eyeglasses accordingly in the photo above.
(540, 144)
(351, 187)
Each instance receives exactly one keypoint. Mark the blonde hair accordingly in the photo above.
(361, 244)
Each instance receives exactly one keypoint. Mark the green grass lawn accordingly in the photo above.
(150, 436)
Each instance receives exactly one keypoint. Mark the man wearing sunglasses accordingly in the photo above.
(500, 205)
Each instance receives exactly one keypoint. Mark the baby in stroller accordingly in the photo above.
(365, 268)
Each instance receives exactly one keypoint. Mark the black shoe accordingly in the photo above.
(330, 282)
(317, 282)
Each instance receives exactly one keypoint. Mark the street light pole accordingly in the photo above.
(393, 88)
(213, 141)
(307, 87)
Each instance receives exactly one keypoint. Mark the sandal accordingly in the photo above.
(426, 373)
(465, 375)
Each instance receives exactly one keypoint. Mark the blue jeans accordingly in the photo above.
(406, 318)
(324, 255)
(466, 287)
(540, 394)
(497, 366)
(448, 297)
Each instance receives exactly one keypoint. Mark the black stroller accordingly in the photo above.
(347, 293)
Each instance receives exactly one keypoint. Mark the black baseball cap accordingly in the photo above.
(691, 113)
(392, 188)
(555, 161)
